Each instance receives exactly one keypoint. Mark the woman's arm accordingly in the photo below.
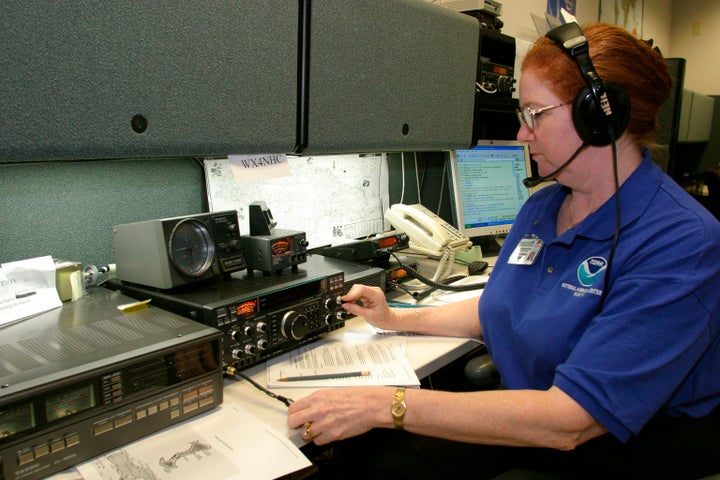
(518, 418)
(459, 319)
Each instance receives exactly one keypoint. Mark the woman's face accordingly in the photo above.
(552, 138)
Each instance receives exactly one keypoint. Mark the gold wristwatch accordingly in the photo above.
(398, 407)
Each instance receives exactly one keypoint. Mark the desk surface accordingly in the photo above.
(426, 354)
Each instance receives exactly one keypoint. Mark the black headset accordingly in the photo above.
(600, 111)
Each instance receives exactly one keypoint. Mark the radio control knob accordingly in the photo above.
(237, 353)
(331, 303)
(261, 327)
(294, 325)
(235, 335)
(250, 349)
(262, 344)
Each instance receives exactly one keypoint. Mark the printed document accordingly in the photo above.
(27, 288)
(383, 357)
(226, 443)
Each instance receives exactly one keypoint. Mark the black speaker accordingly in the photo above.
(600, 111)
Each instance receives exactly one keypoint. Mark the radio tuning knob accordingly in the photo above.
(294, 325)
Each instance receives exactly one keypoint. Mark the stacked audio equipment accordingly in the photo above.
(84, 379)
(260, 316)
(494, 117)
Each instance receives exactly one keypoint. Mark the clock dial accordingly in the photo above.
(191, 247)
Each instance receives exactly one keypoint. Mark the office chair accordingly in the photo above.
(480, 372)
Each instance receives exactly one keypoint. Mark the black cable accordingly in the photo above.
(286, 400)
(618, 219)
(440, 286)
(424, 293)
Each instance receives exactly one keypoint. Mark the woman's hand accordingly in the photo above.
(333, 414)
(370, 304)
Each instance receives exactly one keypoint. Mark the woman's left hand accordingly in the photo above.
(333, 414)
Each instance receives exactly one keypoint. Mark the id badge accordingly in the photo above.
(526, 251)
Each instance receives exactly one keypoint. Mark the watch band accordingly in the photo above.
(398, 407)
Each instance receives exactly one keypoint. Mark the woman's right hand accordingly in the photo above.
(369, 303)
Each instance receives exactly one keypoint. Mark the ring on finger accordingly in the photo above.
(307, 433)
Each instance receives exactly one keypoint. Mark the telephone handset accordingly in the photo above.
(428, 233)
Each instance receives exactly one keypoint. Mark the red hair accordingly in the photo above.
(620, 59)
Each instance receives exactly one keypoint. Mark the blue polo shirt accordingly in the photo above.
(653, 346)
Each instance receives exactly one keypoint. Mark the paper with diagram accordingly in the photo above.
(229, 441)
(332, 198)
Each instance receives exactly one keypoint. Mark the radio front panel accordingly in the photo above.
(260, 316)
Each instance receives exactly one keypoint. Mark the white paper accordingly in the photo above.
(247, 168)
(227, 443)
(332, 198)
(27, 288)
(384, 358)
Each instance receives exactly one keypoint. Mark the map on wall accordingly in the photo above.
(332, 198)
(624, 13)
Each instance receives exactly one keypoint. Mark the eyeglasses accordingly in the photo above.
(529, 115)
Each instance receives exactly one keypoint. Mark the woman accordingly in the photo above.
(604, 378)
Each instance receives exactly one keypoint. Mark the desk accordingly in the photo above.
(426, 354)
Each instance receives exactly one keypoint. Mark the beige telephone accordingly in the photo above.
(428, 233)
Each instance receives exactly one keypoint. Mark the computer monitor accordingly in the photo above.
(487, 184)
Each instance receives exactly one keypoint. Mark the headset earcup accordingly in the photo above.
(589, 121)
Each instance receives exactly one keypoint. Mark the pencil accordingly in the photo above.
(326, 376)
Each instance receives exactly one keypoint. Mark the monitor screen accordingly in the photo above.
(487, 186)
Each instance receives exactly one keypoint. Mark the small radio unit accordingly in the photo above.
(176, 251)
(84, 379)
(269, 249)
(279, 250)
(496, 64)
(261, 316)
(370, 250)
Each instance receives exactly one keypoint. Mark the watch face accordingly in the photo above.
(191, 247)
(398, 409)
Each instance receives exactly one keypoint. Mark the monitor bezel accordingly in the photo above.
(457, 211)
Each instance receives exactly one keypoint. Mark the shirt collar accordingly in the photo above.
(635, 197)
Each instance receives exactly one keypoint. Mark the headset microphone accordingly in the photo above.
(531, 182)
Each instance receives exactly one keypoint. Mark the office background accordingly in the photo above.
(67, 209)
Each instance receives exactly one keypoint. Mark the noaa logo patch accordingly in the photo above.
(589, 270)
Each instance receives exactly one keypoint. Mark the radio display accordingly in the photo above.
(300, 292)
(69, 402)
(16, 419)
